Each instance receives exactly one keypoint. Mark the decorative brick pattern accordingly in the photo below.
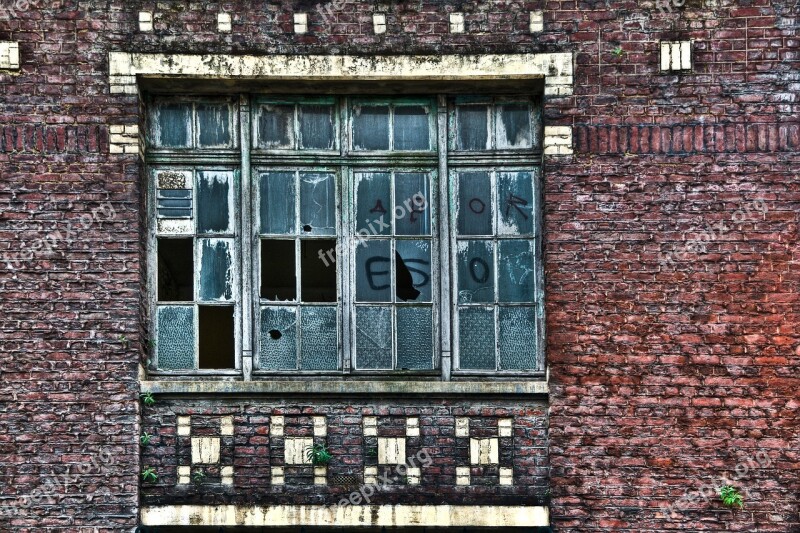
(124, 139)
(9, 55)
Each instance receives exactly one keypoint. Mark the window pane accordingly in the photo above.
(277, 196)
(318, 270)
(411, 128)
(476, 339)
(275, 127)
(174, 203)
(515, 201)
(371, 127)
(214, 202)
(319, 344)
(374, 337)
(517, 338)
(513, 126)
(413, 271)
(175, 270)
(172, 126)
(474, 204)
(214, 125)
(175, 344)
(278, 338)
(515, 271)
(414, 338)
(317, 203)
(475, 271)
(373, 271)
(278, 281)
(373, 201)
(411, 198)
(216, 343)
(316, 127)
(472, 127)
(216, 270)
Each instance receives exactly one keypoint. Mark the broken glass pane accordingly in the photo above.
(475, 206)
(278, 281)
(515, 271)
(317, 203)
(413, 271)
(172, 126)
(277, 196)
(473, 127)
(373, 271)
(515, 201)
(513, 126)
(476, 340)
(214, 201)
(475, 271)
(278, 338)
(316, 127)
(373, 337)
(175, 270)
(214, 125)
(371, 127)
(216, 275)
(216, 343)
(412, 209)
(411, 130)
(275, 127)
(175, 343)
(319, 345)
(414, 338)
(373, 203)
(318, 270)
(517, 338)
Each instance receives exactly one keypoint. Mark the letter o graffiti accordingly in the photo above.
(484, 277)
(480, 203)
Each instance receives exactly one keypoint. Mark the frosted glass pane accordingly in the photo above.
(373, 203)
(214, 202)
(475, 266)
(371, 127)
(513, 126)
(316, 127)
(216, 271)
(411, 194)
(515, 201)
(374, 337)
(515, 271)
(476, 342)
(277, 196)
(214, 125)
(373, 271)
(411, 128)
(278, 338)
(413, 271)
(472, 127)
(172, 126)
(414, 338)
(276, 127)
(317, 203)
(319, 346)
(175, 343)
(517, 338)
(474, 204)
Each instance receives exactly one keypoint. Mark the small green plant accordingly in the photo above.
(318, 454)
(730, 497)
(147, 399)
(198, 477)
(124, 341)
(372, 452)
(618, 51)
(149, 475)
(145, 438)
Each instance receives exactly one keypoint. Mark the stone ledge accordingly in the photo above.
(349, 388)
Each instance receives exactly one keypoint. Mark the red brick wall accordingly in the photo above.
(670, 363)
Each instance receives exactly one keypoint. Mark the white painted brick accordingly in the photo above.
(184, 475)
(301, 23)
(226, 426)
(184, 422)
(414, 475)
(320, 426)
(506, 476)
(226, 473)
(224, 22)
(276, 426)
(462, 427)
(370, 426)
(412, 427)
(462, 475)
(536, 21)
(277, 475)
(295, 450)
(391, 450)
(379, 23)
(370, 475)
(505, 427)
(320, 475)
(457, 23)
(676, 55)
(484, 451)
(205, 450)
(145, 21)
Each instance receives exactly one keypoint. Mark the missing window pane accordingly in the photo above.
(217, 347)
(278, 278)
(175, 270)
(318, 270)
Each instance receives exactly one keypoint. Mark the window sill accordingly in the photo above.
(346, 388)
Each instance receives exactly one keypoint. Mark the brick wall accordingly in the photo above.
(672, 362)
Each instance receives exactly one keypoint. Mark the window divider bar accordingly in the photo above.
(443, 215)
(246, 243)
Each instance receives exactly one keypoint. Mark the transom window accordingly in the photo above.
(345, 235)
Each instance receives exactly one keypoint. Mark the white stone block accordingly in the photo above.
(391, 450)
(277, 475)
(184, 475)
(370, 475)
(676, 55)
(184, 423)
(462, 427)
(414, 475)
(320, 426)
(536, 21)
(276, 426)
(226, 426)
(301, 23)
(205, 450)
(505, 427)
(145, 21)
(484, 451)
(457, 23)
(412, 427)
(320, 475)
(370, 426)
(379, 23)
(462, 475)
(224, 22)
(226, 473)
(295, 450)
(506, 476)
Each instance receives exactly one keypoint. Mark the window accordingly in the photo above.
(357, 235)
